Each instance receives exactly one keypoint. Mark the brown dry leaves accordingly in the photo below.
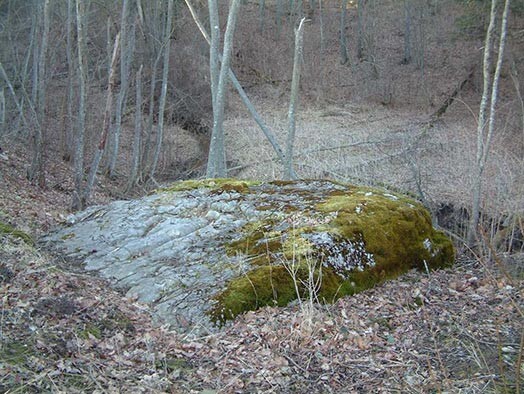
(415, 334)
(457, 330)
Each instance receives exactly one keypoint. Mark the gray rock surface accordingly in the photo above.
(168, 249)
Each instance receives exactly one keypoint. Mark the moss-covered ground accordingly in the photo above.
(8, 230)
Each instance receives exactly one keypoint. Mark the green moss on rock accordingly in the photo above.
(396, 230)
(223, 184)
(360, 237)
(271, 286)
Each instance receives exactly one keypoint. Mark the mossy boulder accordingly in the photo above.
(352, 238)
(203, 252)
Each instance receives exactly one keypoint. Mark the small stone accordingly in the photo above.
(212, 215)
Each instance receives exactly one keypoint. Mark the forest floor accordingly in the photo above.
(64, 331)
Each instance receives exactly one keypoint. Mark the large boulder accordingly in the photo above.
(202, 252)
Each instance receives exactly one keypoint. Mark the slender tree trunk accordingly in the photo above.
(342, 41)
(36, 171)
(32, 38)
(37, 31)
(407, 31)
(295, 83)
(515, 78)
(154, 39)
(321, 21)
(31, 54)
(420, 49)
(214, 48)
(216, 166)
(360, 30)
(150, 118)
(19, 106)
(489, 94)
(69, 132)
(137, 138)
(78, 203)
(106, 125)
(2, 112)
(262, 15)
(278, 16)
(214, 72)
(126, 56)
(163, 94)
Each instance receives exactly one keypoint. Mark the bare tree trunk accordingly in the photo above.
(32, 39)
(515, 78)
(2, 112)
(78, 203)
(69, 132)
(407, 31)
(262, 15)
(36, 34)
(31, 54)
(321, 21)
(342, 41)
(490, 93)
(106, 125)
(278, 17)
(36, 171)
(137, 139)
(214, 72)
(360, 30)
(150, 117)
(163, 94)
(216, 166)
(265, 129)
(214, 48)
(15, 98)
(295, 83)
(126, 56)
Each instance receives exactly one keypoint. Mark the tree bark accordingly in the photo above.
(321, 22)
(278, 17)
(77, 203)
(262, 15)
(214, 72)
(106, 125)
(69, 132)
(126, 57)
(2, 112)
(407, 31)
(489, 94)
(163, 94)
(360, 30)
(137, 138)
(214, 49)
(19, 106)
(36, 171)
(516, 83)
(295, 83)
(342, 37)
(216, 166)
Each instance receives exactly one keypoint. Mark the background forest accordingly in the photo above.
(104, 100)
(389, 94)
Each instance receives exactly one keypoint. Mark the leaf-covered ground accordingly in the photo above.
(64, 331)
